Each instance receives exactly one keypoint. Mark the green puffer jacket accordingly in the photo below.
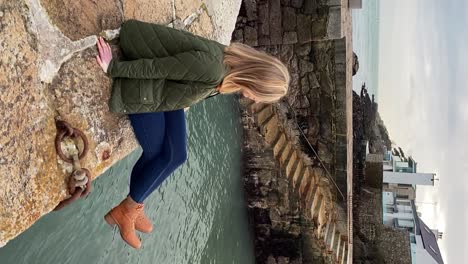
(163, 69)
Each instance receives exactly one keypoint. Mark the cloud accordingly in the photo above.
(423, 100)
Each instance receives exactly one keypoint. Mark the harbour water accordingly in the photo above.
(366, 45)
(199, 212)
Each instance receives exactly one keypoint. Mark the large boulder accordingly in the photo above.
(48, 70)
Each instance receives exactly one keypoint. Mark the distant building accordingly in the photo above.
(398, 212)
(397, 164)
(400, 179)
(437, 234)
(355, 4)
(409, 178)
(401, 214)
(403, 191)
(426, 248)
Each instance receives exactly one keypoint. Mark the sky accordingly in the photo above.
(423, 100)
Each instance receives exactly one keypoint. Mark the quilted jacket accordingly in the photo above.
(163, 69)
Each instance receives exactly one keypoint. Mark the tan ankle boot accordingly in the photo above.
(124, 216)
(143, 224)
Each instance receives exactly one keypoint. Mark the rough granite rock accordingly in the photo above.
(80, 92)
(154, 11)
(185, 8)
(79, 19)
(44, 74)
(202, 25)
(26, 144)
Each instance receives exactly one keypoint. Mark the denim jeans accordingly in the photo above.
(163, 137)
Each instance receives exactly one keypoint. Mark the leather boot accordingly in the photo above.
(143, 224)
(124, 216)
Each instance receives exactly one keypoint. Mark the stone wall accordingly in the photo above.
(292, 207)
(308, 37)
(317, 95)
(274, 210)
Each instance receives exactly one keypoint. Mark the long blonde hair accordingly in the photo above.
(260, 74)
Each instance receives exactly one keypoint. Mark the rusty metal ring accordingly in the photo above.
(76, 133)
(87, 190)
(62, 125)
(78, 193)
(75, 196)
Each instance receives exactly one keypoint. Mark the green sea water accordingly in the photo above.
(199, 212)
(366, 35)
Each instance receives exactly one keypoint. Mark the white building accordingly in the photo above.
(400, 180)
(401, 214)
(397, 164)
(408, 178)
(398, 212)
(425, 249)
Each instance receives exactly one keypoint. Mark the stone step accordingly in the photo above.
(306, 181)
(330, 237)
(264, 114)
(338, 248)
(316, 205)
(310, 195)
(344, 254)
(286, 158)
(275, 141)
(271, 122)
(298, 173)
(292, 163)
(279, 145)
(256, 107)
(285, 153)
(270, 129)
(281, 148)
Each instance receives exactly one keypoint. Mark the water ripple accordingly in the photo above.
(198, 213)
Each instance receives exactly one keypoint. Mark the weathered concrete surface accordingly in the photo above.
(48, 69)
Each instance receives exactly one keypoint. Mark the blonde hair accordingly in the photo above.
(263, 75)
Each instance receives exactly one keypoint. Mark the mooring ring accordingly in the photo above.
(76, 133)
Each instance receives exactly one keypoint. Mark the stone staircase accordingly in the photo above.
(315, 191)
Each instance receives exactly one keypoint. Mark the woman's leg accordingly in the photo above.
(128, 215)
(162, 156)
(149, 129)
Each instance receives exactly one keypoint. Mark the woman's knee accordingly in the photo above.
(180, 157)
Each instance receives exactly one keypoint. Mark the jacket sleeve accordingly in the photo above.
(148, 40)
(188, 66)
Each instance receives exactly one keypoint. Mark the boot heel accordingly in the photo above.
(110, 220)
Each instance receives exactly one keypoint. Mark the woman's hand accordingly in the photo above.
(105, 54)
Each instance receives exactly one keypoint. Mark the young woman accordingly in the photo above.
(164, 71)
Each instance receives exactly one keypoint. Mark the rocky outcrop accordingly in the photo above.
(48, 70)
(373, 242)
(355, 63)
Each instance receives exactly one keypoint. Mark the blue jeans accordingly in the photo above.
(163, 137)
